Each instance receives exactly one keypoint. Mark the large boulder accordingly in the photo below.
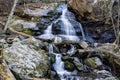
(26, 59)
(93, 9)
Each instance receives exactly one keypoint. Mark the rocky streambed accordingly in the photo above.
(60, 47)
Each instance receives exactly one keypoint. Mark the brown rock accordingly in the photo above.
(93, 9)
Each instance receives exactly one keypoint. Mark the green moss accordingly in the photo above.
(28, 31)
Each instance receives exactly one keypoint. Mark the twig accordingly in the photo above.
(20, 33)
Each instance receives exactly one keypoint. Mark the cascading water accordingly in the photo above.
(59, 67)
(59, 64)
(69, 33)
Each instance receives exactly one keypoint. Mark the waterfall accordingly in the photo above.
(68, 31)
(59, 64)
(59, 67)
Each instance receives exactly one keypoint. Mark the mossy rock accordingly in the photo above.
(93, 62)
(52, 58)
(69, 66)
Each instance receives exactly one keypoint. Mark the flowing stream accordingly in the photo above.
(66, 28)
(68, 34)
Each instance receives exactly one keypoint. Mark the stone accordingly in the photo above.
(34, 10)
(69, 66)
(57, 39)
(90, 9)
(52, 58)
(25, 24)
(93, 62)
(83, 44)
(78, 64)
(106, 75)
(26, 60)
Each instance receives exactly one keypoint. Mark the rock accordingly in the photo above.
(81, 7)
(105, 75)
(46, 37)
(27, 1)
(23, 26)
(69, 66)
(53, 75)
(90, 9)
(34, 11)
(83, 44)
(27, 60)
(93, 62)
(78, 64)
(72, 50)
(57, 39)
(52, 58)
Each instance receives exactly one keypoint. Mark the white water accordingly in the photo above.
(48, 30)
(70, 34)
(69, 29)
(59, 67)
(59, 64)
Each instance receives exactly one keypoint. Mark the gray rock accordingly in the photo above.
(27, 60)
(78, 64)
(83, 44)
(105, 75)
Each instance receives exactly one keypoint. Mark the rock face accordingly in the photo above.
(92, 9)
(27, 60)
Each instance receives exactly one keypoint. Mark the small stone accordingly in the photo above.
(78, 64)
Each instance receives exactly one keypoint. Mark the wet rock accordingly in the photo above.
(27, 60)
(78, 64)
(69, 66)
(57, 39)
(46, 37)
(58, 27)
(93, 62)
(53, 75)
(65, 58)
(52, 58)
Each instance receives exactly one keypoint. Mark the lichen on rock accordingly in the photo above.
(23, 59)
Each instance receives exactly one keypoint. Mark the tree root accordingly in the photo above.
(20, 33)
